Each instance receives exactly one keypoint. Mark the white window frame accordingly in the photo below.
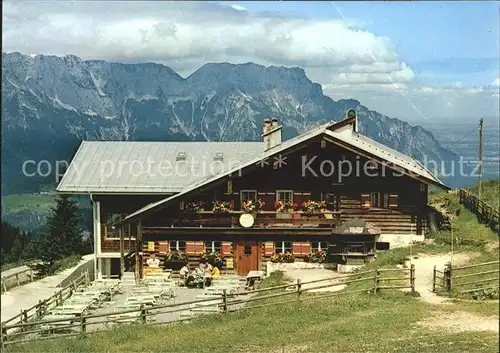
(283, 191)
(322, 246)
(177, 247)
(280, 248)
(212, 248)
(248, 191)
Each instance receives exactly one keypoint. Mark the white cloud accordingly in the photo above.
(239, 8)
(348, 62)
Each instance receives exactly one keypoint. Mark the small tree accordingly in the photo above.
(63, 236)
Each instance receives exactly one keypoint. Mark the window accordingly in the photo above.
(247, 195)
(176, 245)
(213, 246)
(284, 195)
(114, 232)
(380, 200)
(247, 250)
(319, 245)
(281, 247)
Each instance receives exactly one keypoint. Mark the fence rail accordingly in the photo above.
(228, 303)
(27, 273)
(451, 281)
(43, 306)
(485, 213)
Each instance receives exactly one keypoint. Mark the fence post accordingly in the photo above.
(412, 278)
(224, 300)
(4, 285)
(299, 288)
(3, 336)
(434, 280)
(143, 314)
(17, 279)
(377, 280)
(74, 285)
(60, 297)
(447, 279)
(83, 324)
(31, 275)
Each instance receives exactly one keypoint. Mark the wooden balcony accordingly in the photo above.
(263, 219)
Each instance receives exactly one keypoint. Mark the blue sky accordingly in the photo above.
(443, 41)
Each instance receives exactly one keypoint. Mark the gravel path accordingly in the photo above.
(424, 267)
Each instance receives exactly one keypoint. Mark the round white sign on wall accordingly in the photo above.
(246, 220)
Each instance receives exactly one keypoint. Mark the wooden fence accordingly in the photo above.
(46, 305)
(16, 279)
(466, 279)
(28, 331)
(484, 212)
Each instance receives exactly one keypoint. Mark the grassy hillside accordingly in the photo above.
(388, 322)
(490, 192)
(31, 202)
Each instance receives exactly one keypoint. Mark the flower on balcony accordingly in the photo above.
(318, 256)
(221, 206)
(285, 206)
(282, 258)
(252, 206)
(195, 206)
(176, 256)
(310, 206)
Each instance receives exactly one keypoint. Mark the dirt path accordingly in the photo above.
(424, 267)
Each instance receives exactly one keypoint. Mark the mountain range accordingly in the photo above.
(51, 103)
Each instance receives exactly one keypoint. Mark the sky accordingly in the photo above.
(411, 60)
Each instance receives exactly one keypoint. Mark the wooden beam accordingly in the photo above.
(122, 252)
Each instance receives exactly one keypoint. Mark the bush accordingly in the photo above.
(485, 294)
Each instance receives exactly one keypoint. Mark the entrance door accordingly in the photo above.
(247, 254)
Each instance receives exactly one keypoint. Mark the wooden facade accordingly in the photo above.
(393, 203)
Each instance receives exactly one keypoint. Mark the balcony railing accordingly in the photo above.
(262, 219)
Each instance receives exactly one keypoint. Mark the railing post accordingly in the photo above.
(299, 288)
(60, 297)
(412, 278)
(434, 280)
(4, 285)
(224, 300)
(31, 275)
(83, 324)
(377, 280)
(17, 279)
(143, 314)
(74, 285)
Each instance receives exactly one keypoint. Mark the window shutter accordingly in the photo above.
(163, 247)
(365, 201)
(394, 201)
(191, 247)
(227, 248)
(268, 248)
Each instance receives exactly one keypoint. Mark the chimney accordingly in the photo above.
(271, 133)
(267, 126)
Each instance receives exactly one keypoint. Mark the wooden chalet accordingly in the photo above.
(157, 210)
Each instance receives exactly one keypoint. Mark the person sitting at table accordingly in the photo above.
(153, 262)
(184, 271)
(215, 272)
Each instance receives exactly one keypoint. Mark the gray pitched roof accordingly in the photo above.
(150, 167)
(345, 133)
